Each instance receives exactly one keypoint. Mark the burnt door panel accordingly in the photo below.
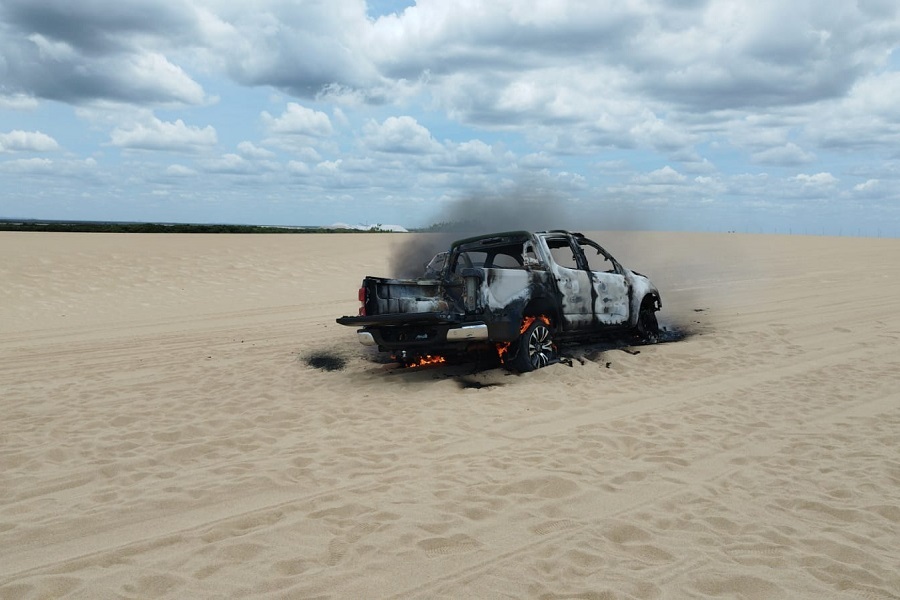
(574, 284)
(610, 298)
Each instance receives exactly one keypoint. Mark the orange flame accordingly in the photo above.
(529, 320)
(503, 347)
(428, 359)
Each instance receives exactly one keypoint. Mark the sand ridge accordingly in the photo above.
(163, 435)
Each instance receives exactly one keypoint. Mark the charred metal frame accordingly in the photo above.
(486, 300)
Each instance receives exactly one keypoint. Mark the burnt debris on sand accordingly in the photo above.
(327, 361)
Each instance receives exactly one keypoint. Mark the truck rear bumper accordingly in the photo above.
(464, 333)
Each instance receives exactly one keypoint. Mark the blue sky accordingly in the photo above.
(711, 115)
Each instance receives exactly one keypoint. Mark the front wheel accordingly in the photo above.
(647, 328)
(535, 349)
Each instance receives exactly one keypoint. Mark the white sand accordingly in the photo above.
(163, 436)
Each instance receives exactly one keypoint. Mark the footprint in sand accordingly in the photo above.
(454, 544)
(553, 527)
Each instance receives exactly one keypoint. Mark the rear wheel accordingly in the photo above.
(535, 348)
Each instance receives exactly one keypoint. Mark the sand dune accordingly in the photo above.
(162, 434)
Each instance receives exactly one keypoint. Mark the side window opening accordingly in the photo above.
(468, 260)
(597, 260)
(562, 253)
(507, 258)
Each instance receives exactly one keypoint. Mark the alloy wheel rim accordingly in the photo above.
(540, 347)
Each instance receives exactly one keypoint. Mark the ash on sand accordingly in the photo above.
(675, 334)
(473, 383)
(326, 360)
(594, 351)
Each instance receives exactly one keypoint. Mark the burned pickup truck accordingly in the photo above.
(515, 293)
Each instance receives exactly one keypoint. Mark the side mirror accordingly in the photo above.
(531, 262)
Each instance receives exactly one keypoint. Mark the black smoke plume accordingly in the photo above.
(527, 205)
(521, 209)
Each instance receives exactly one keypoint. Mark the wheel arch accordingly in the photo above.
(642, 290)
(650, 298)
(541, 307)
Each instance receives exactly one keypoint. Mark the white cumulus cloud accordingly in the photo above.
(299, 120)
(817, 180)
(399, 135)
(664, 176)
(27, 141)
(155, 134)
(251, 150)
(788, 154)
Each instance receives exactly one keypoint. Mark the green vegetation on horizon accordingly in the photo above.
(99, 227)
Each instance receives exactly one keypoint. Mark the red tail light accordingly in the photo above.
(362, 301)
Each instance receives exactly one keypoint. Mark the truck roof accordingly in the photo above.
(506, 237)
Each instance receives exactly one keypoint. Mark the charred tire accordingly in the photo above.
(535, 348)
(647, 328)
